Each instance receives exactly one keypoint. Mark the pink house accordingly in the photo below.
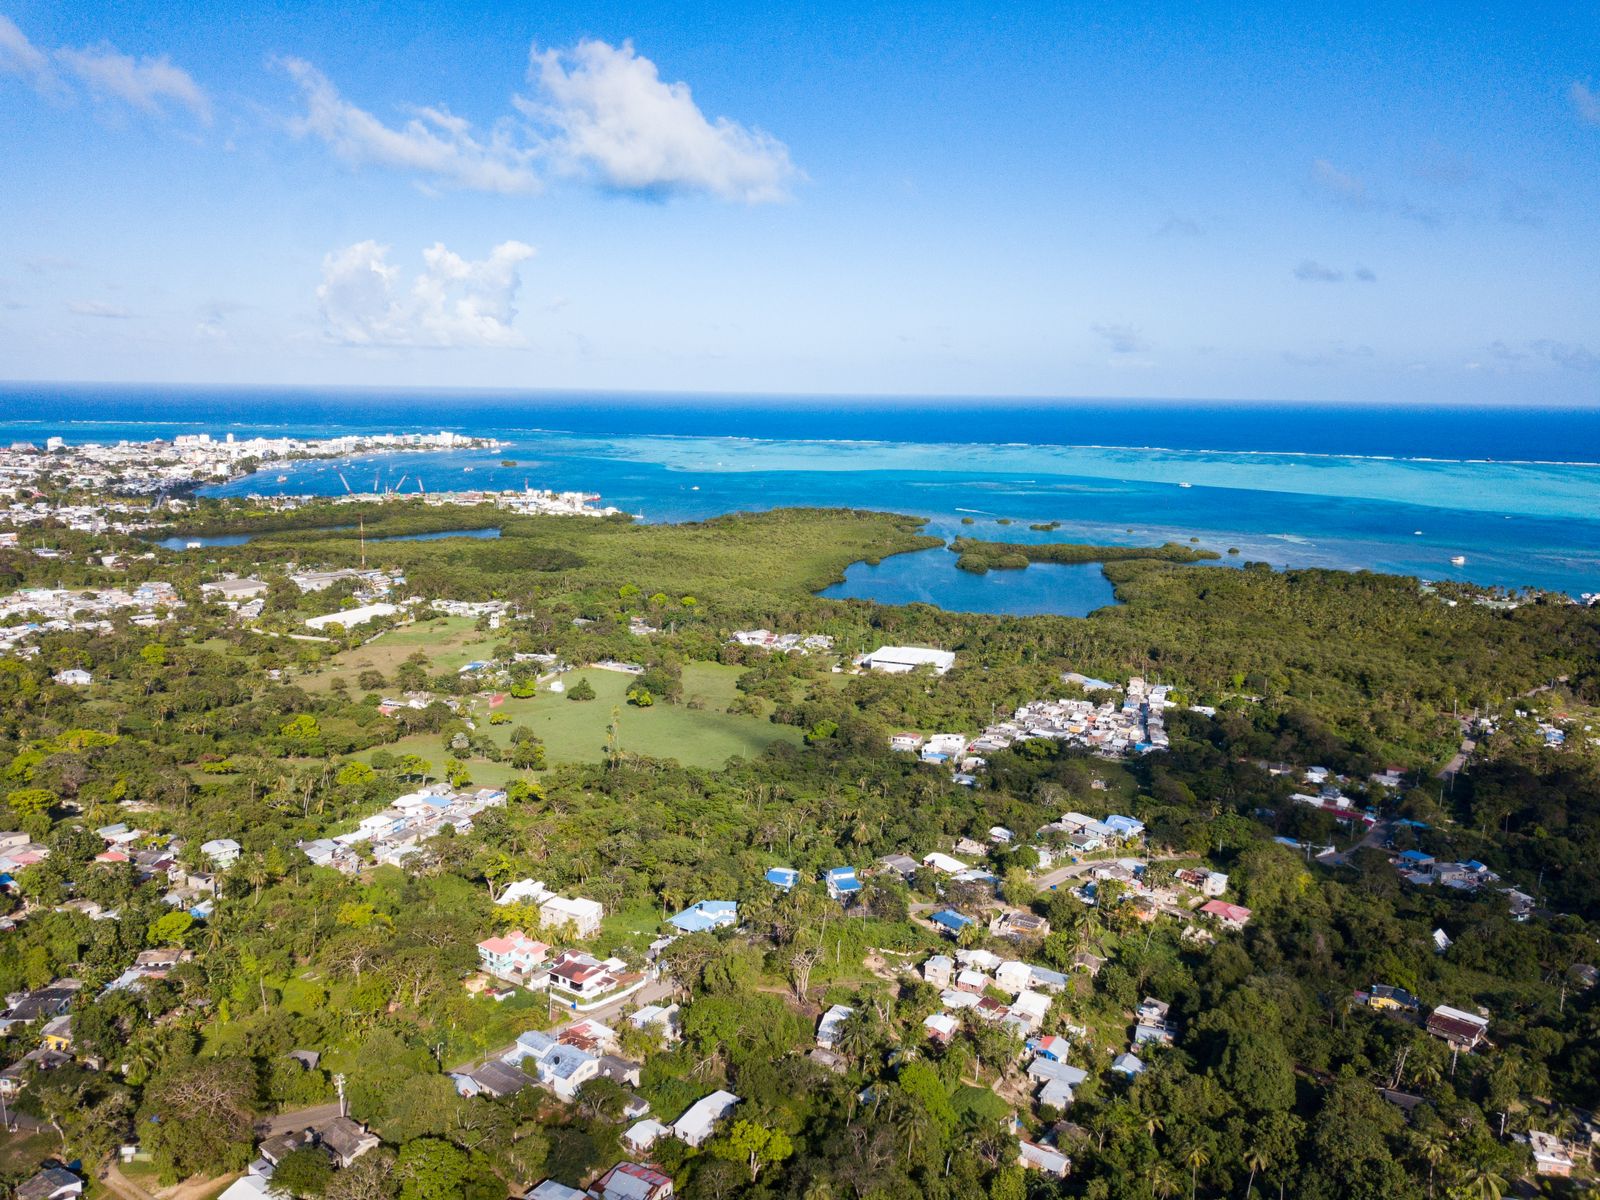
(1234, 916)
(513, 954)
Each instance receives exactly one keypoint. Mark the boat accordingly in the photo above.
(191, 545)
(283, 479)
(1458, 560)
(1186, 485)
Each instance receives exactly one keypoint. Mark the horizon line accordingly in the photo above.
(1023, 399)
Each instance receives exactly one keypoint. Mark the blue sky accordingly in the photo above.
(1351, 203)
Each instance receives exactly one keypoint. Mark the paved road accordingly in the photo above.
(1061, 874)
(1455, 765)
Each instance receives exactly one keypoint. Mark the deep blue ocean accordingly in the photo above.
(1515, 492)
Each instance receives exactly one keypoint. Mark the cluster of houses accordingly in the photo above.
(1111, 730)
(399, 832)
(586, 1050)
(790, 643)
(342, 1140)
(966, 980)
(1135, 726)
(49, 1008)
(1421, 869)
(161, 465)
(30, 611)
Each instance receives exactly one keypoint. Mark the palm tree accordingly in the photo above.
(1197, 1158)
(857, 1035)
(1257, 1160)
(1433, 1149)
(1162, 1183)
(1480, 1183)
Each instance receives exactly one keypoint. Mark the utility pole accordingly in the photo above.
(338, 1083)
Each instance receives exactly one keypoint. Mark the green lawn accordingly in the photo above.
(575, 731)
(449, 643)
(22, 1153)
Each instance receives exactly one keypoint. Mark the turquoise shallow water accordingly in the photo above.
(1395, 489)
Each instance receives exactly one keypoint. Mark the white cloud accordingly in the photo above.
(146, 84)
(141, 83)
(1586, 102)
(1121, 339)
(451, 303)
(433, 143)
(609, 114)
(1311, 271)
(1338, 184)
(19, 56)
(97, 308)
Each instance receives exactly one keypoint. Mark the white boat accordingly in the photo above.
(1458, 560)
(283, 479)
(1186, 485)
(191, 545)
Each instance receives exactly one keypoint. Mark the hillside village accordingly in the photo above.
(390, 847)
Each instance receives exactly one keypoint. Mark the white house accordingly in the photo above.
(700, 1120)
(223, 852)
(646, 1133)
(943, 863)
(523, 891)
(902, 660)
(580, 917)
(832, 1020)
(349, 618)
(73, 677)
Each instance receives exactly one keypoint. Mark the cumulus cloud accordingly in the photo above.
(434, 143)
(147, 84)
(450, 303)
(599, 112)
(610, 115)
(1121, 339)
(1585, 103)
(1340, 185)
(98, 308)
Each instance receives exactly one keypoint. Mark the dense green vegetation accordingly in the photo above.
(206, 727)
(979, 557)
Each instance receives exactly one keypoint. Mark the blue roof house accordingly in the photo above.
(1126, 827)
(842, 882)
(782, 878)
(706, 915)
(950, 921)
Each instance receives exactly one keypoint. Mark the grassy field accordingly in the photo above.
(576, 732)
(450, 642)
(21, 1153)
